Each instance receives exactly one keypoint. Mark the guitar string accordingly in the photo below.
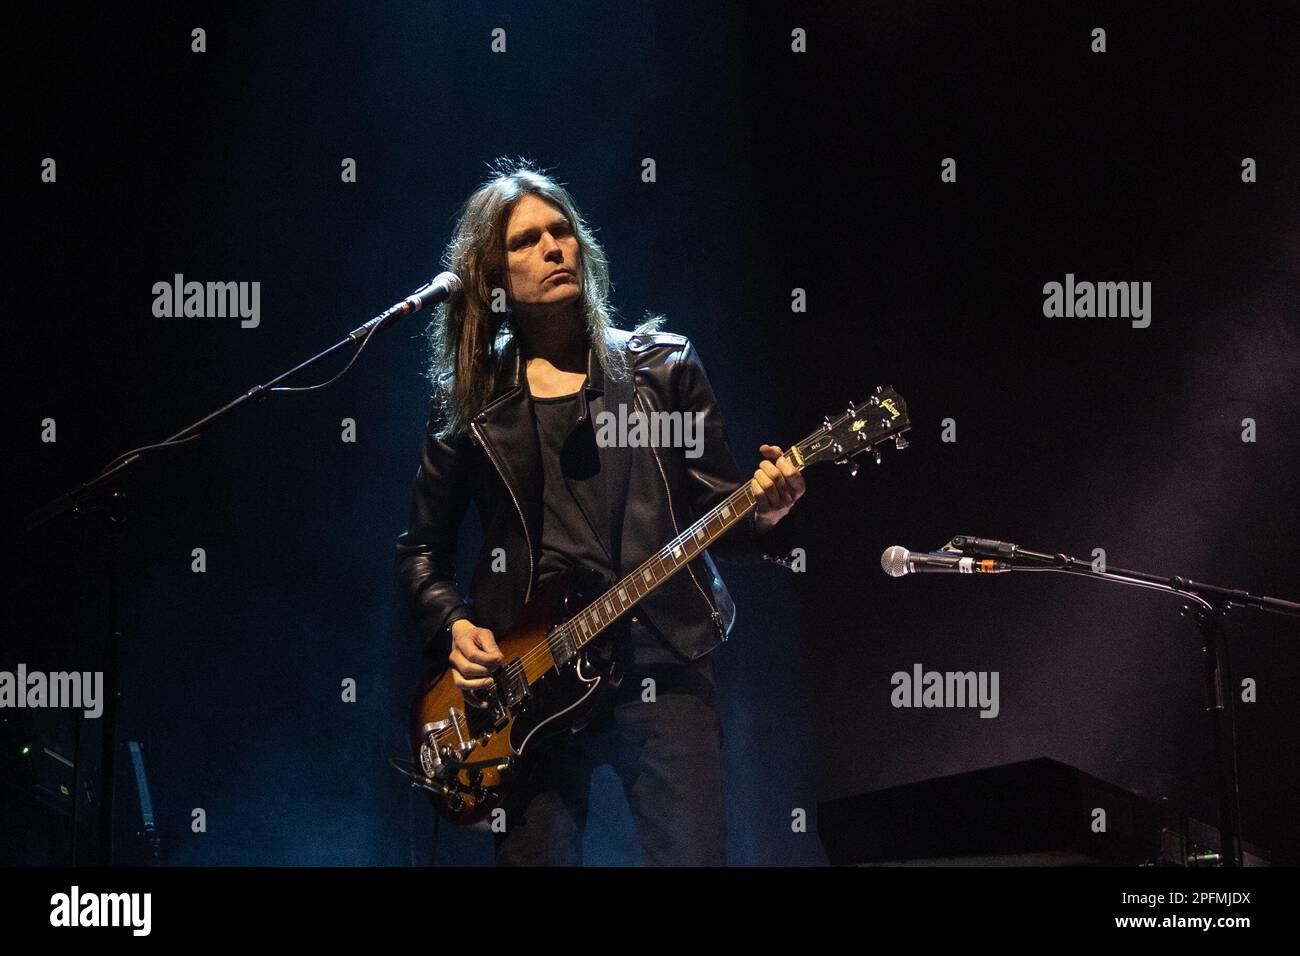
(540, 652)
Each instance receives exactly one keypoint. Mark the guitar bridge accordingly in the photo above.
(512, 684)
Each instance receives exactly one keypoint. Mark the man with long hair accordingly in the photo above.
(523, 364)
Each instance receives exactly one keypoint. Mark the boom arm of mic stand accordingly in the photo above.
(1208, 596)
(72, 500)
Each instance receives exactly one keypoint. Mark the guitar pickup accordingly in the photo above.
(562, 649)
(512, 684)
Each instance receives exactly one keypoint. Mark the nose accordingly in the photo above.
(551, 248)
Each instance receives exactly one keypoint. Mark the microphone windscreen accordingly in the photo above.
(894, 561)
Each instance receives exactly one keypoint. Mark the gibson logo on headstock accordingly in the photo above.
(889, 404)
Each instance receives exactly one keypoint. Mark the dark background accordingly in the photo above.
(775, 171)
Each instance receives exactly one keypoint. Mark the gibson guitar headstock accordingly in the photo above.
(865, 427)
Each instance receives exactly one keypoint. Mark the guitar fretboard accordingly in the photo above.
(586, 625)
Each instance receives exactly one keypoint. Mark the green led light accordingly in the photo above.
(26, 750)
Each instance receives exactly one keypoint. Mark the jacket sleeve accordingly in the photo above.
(713, 476)
(426, 550)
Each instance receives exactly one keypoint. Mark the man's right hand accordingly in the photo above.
(474, 655)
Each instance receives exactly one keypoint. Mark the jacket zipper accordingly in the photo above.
(527, 541)
(713, 612)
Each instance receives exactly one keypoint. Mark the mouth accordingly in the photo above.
(561, 272)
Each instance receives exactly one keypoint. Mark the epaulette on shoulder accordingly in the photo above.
(644, 340)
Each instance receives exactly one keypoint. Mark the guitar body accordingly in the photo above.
(469, 754)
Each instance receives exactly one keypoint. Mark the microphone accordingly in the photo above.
(898, 561)
(985, 547)
(1002, 550)
(443, 286)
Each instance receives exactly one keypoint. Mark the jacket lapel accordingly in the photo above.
(508, 425)
(615, 464)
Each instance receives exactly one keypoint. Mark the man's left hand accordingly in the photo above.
(776, 486)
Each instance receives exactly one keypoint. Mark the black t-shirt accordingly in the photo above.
(571, 491)
(574, 489)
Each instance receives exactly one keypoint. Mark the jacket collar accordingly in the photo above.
(512, 383)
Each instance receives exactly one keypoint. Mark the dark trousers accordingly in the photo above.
(668, 755)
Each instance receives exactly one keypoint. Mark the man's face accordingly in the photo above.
(541, 258)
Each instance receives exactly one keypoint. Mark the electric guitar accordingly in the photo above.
(557, 663)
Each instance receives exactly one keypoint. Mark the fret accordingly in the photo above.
(587, 624)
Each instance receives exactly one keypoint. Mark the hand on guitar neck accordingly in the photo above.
(777, 484)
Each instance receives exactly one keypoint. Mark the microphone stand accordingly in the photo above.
(105, 493)
(1209, 605)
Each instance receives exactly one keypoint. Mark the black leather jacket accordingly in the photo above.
(653, 493)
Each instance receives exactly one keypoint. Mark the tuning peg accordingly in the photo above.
(853, 472)
(879, 390)
(849, 411)
(826, 422)
(877, 454)
(900, 442)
